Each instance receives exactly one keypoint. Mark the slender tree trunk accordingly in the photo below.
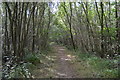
(102, 26)
(70, 24)
(89, 29)
(33, 43)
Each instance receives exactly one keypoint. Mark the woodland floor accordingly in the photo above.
(62, 63)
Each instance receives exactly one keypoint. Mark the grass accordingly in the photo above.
(105, 68)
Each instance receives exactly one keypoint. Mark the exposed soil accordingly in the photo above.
(62, 63)
(64, 68)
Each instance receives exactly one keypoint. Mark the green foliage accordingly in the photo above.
(58, 30)
(111, 73)
(111, 31)
(29, 66)
(83, 56)
(52, 43)
(104, 67)
(32, 58)
(97, 62)
(21, 71)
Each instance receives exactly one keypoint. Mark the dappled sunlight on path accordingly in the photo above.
(64, 67)
(57, 64)
(61, 63)
(68, 58)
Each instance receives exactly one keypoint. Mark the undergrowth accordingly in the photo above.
(21, 71)
(105, 68)
(29, 63)
(32, 58)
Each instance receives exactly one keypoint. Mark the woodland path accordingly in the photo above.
(62, 63)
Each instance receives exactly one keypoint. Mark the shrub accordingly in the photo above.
(110, 73)
(83, 56)
(104, 67)
(20, 71)
(32, 59)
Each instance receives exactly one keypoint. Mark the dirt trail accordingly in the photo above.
(62, 63)
(64, 68)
